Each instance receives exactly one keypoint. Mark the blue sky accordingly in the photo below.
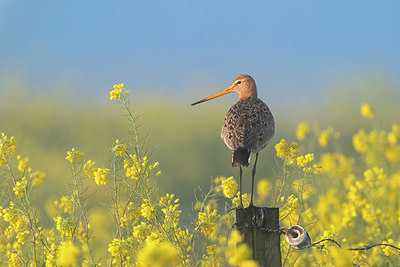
(190, 49)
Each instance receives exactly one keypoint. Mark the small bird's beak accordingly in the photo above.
(223, 92)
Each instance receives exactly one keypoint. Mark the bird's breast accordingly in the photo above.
(249, 124)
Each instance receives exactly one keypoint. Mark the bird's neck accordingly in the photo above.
(247, 94)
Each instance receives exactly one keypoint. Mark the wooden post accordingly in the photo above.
(259, 227)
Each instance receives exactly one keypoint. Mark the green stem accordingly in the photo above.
(283, 184)
(133, 121)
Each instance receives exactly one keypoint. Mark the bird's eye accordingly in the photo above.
(238, 82)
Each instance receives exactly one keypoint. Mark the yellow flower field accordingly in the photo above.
(115, 211)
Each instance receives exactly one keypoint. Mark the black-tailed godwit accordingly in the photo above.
(248, 125)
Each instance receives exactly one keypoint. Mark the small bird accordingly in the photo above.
(248, 125)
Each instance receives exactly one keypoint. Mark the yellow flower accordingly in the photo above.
(341, 257)
(235, 238)
(283, 150)
(367, 111)
(157, 254)
(101, 176)
(119, 90)
(394, 135)
(148, 210)
(67, 254)
(65, 204)
(245, 199)
(20, 188)
(23, 165)
(89, 168)
(389, 251)
(263, 188)
(65, 227)
(207, 221)
(141, 231)
(393, 153)
(360, 141)
(120, 149)
(7, 147)
(38, 178)
(324, 137)
(375, 176)
(239, 254)
(74, 155)
(115, 247)
(302, 130)
(229, 187)
(304, 161)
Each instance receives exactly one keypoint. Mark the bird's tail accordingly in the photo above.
(241, 157)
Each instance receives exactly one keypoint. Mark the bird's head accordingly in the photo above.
(244, 85)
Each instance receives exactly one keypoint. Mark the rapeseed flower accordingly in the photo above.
(66, 204)
(389, 251)
(360, 141)
(115, 247)
(23, 165)
(367, 111)
(68, 254)
(37, 178)
(7, 147)
(141, 231)
(120, 149)
(74, 155)
(148, 210)
(239, 254)
(289, 152)
(158, 254)
(118, 92)
(392, 153)
(20, 187)
(89, 168)
(263, 188)
(325, 137)
(101, 176)
(207, 221)
(375, 176)
(304, 161)
(302, 130)
(394, 135)
(245, 199)
(229, 187)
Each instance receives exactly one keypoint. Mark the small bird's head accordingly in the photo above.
(244, 85)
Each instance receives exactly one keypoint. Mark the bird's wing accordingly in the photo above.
(248, 124)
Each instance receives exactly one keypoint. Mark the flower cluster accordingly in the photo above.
(118, 92)
(288, 152)
(74, 155)
(7, 147)
(367, 111)
(139, 168)
(207, 221)
(101, 176)
(120, 149)
(302, 130)
(229, 187)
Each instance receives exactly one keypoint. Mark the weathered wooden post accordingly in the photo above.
(259, 227)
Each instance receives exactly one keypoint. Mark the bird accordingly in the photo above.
(248, 126)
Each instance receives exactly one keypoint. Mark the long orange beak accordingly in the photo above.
(223, 92)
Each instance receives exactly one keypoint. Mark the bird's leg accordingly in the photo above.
(240, 185)
(253, 173)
